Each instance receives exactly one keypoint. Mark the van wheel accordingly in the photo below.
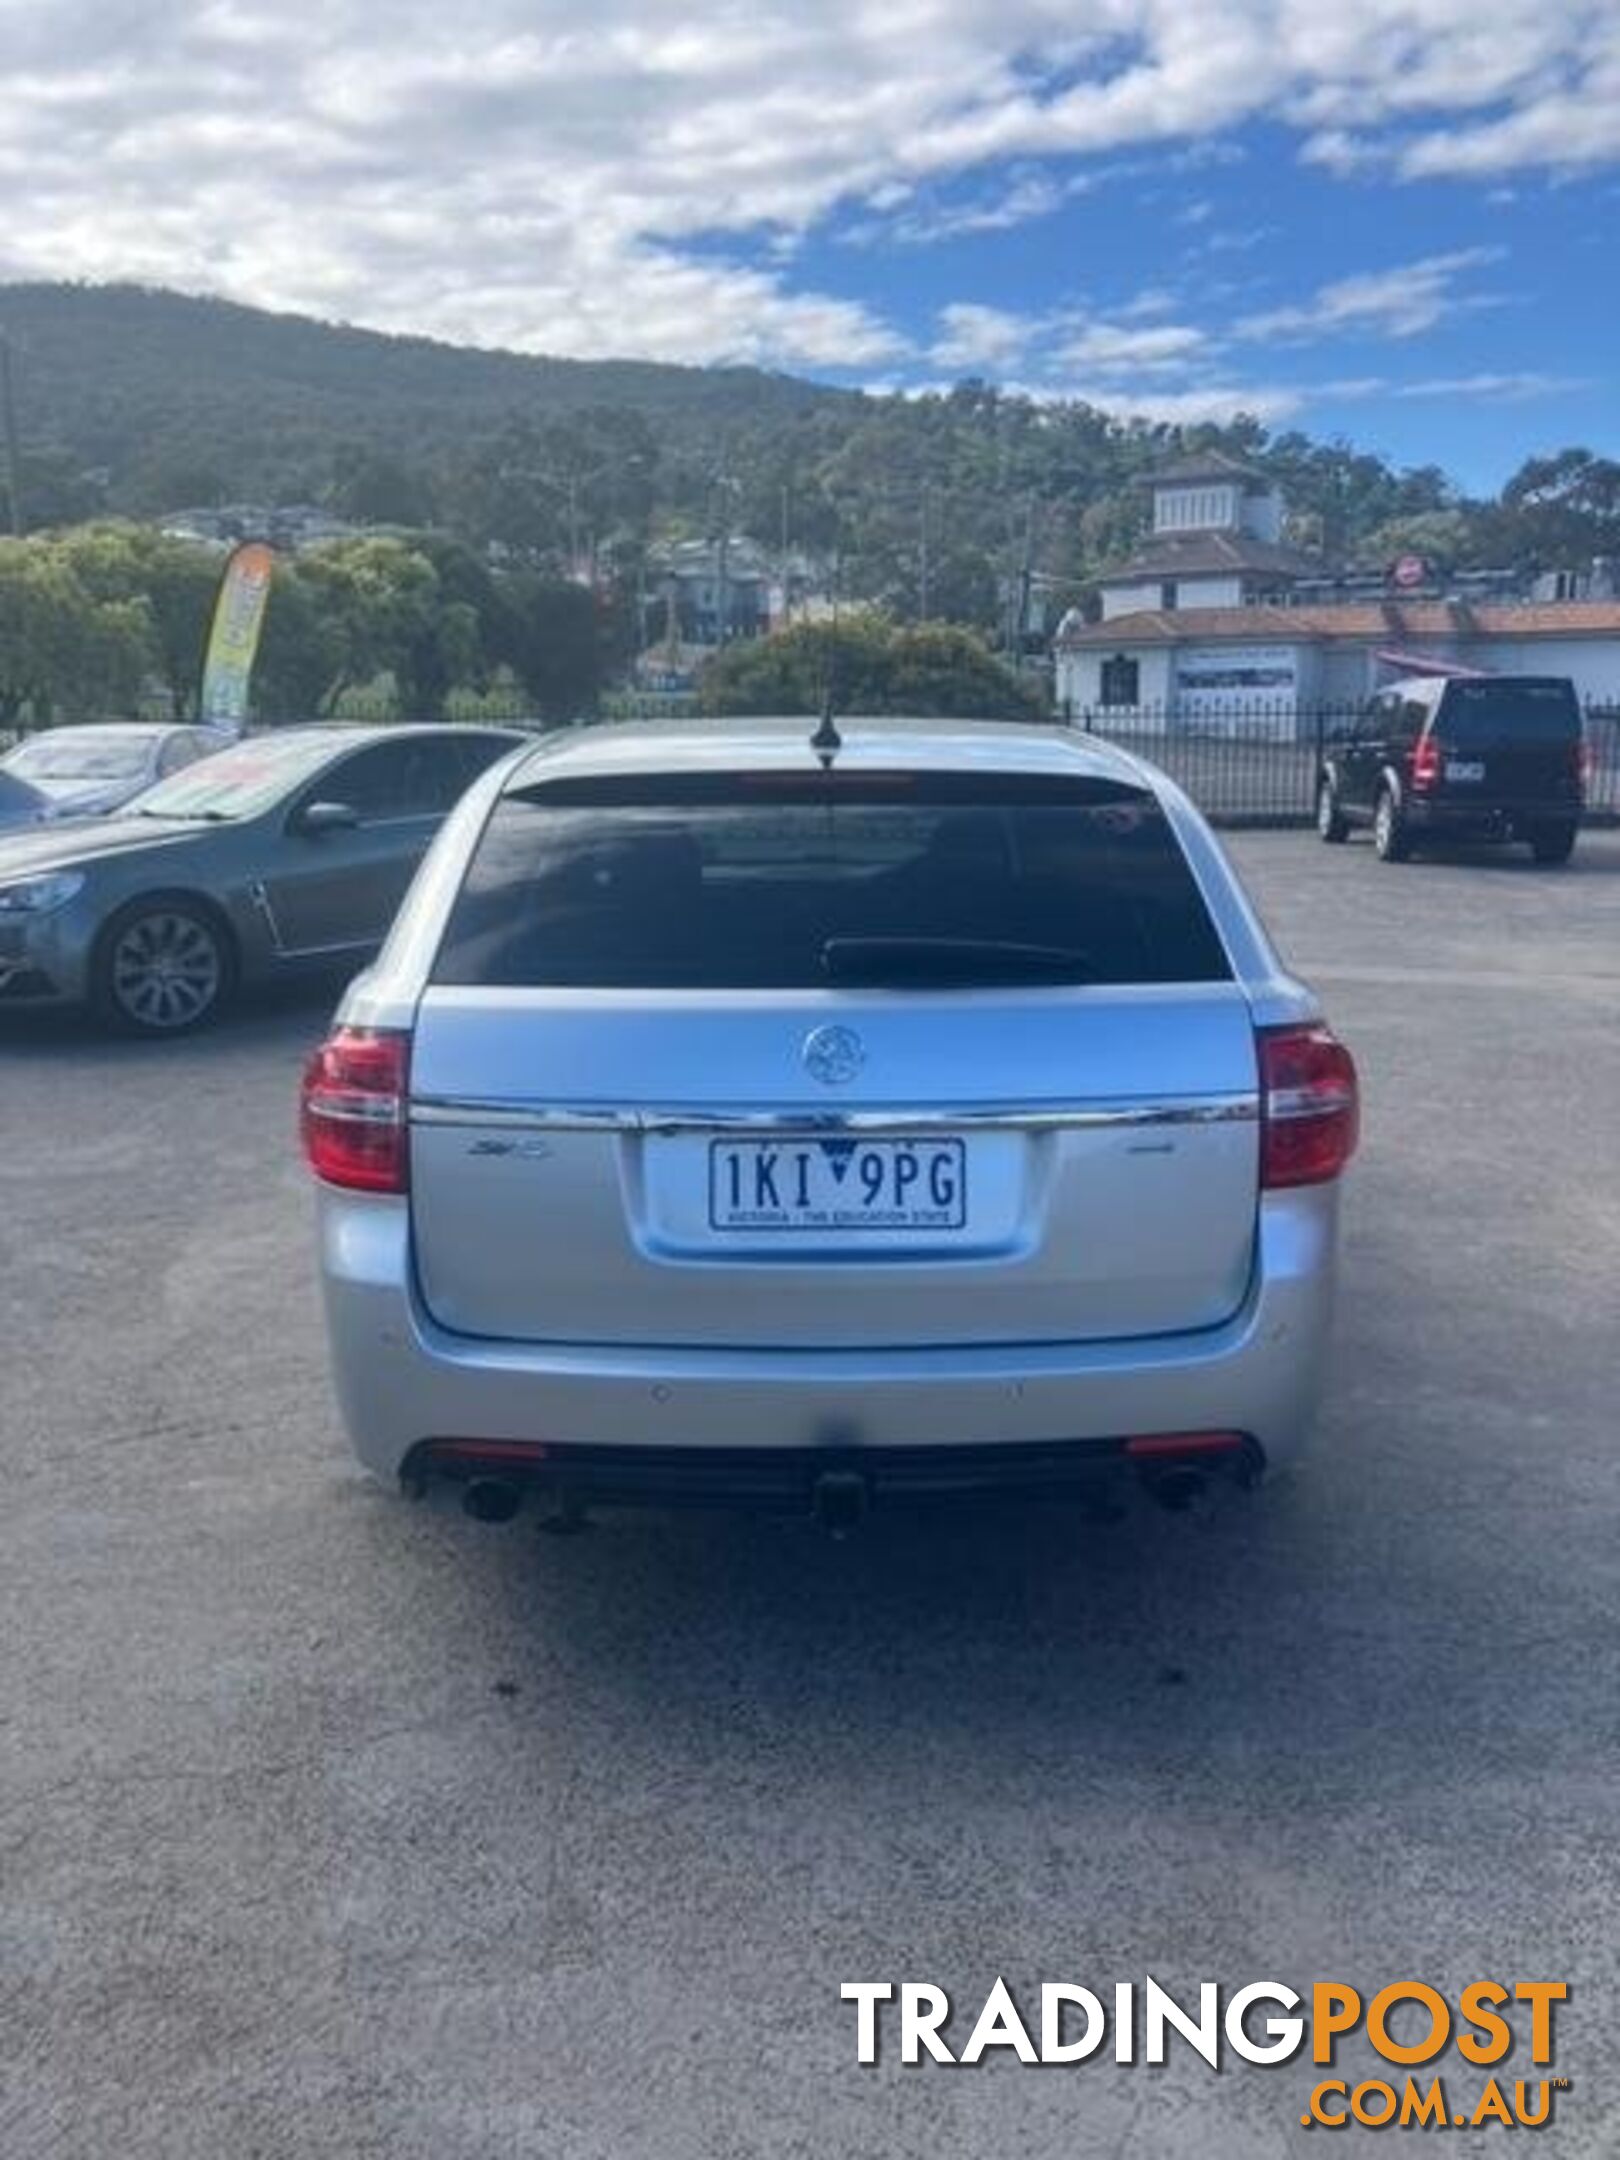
(1330, 819)
(1389, 829)
(162, 967)
(1553, 843)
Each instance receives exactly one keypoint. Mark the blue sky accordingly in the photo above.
(1393, 221)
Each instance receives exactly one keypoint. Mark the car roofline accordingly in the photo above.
(775, 743)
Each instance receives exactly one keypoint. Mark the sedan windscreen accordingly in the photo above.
(771, 880)
(241, 781)
(84, 755)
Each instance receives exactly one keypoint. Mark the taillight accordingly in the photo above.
(1583, 759)
(352, 1112)
(1309, 1118)
(1425, 762)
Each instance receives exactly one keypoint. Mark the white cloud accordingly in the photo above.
(1395, 303)
(1135, 345)
(1238, 241)
(978, 339)
(531, 173)
(1503, 388)
(1269, 402)
(921, 223)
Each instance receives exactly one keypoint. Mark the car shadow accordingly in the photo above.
(262, 1015)
(1596, 854)
(965, 1646)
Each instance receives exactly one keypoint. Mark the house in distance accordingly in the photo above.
(1218, 625)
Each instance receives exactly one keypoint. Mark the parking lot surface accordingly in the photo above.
(337, 1826)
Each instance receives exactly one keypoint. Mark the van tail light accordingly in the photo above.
(1425, 762)
(352, 1111)
(1309, 1108)
(1583, 761)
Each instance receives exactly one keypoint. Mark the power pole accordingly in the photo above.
(922, 556)
(8, 436)
(787, 609)
(1025, 575)
(1017, 615)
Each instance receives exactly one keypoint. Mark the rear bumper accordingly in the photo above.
(818, 1480)
(403, 1381)
(1505, 820)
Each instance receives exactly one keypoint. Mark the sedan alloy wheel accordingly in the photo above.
(165, 968)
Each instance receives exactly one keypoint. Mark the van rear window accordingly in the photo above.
(1475, 714)
(771, 880)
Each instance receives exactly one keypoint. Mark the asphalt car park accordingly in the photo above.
(333, 1825)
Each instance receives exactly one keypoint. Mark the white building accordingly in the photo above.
(1264, 670)
(1216, 542)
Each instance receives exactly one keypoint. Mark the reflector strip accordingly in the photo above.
(1184, 1443)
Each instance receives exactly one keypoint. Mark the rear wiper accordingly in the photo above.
(948, 960)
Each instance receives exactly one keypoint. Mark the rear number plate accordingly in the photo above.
(1465, 769)
(808, 1183)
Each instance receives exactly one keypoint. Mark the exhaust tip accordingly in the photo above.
(493, 1500)
(838, 1500)
(1177, 1489)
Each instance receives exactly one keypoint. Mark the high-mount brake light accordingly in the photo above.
(352, 1111)
(1309, 1105)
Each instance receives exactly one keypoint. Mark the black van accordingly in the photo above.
(1484, 757)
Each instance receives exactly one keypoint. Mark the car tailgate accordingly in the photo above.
(571, 1152)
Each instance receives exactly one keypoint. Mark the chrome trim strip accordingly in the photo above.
(694, 1117)
(259, 894)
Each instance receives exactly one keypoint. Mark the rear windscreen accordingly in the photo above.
(787, 881)
(1475, 714)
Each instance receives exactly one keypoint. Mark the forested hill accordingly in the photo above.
(132, 401)
(155, 388)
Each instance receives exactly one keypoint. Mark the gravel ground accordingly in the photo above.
(336, 1827)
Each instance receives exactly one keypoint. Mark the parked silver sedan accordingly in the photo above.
(94, 768)
(728, 1120)
(289, 851)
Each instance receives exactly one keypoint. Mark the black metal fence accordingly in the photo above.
(1258, 765)
(1254, 766)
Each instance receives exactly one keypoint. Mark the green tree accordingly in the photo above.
(381, 600)
(1444, 538)
(63, 652)
(174, 581)
(1559, 511)
(553, 639)
(55, 490)
(870, 665)
(302, 650)
(370, 487)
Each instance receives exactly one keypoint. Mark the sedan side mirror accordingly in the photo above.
(324, 817)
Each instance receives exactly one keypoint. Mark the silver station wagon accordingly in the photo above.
(740, 1115)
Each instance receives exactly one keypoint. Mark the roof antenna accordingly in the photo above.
(826, 742)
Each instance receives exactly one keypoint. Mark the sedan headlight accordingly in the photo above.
(38, 895)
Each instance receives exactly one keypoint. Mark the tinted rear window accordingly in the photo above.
(778, 881)
(1473, 714)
